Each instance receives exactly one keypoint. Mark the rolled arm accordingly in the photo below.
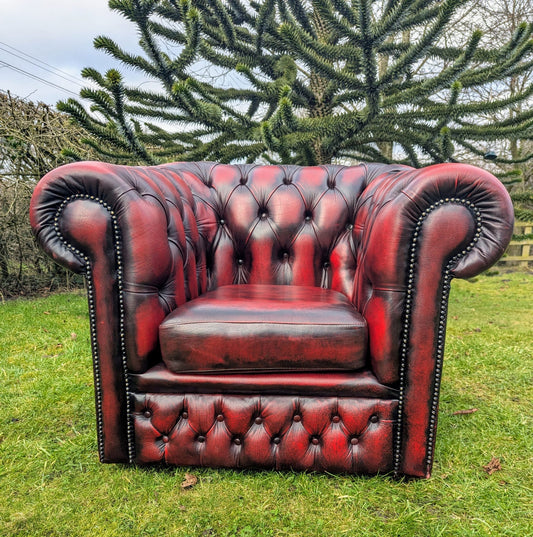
(418, 229)
(132, 233)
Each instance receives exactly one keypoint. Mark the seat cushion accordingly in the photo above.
(251, 328)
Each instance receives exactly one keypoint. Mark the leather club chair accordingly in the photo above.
(270, 316)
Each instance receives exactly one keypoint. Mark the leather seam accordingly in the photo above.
(271, 323)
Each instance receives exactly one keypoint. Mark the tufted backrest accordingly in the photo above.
(283, 225)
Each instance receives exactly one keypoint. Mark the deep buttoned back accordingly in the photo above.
(283, 225)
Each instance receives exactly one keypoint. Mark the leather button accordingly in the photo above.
(297, 418)
(240, 261)
(326, 264)
(237, 441)
(201, 439)
(220, 417)
(374, 419)
(222, 221)
(285, 255)
(147, 414)
(276, 440)
(349, 227)
(315, 441)
(264, 215)
(354, 441)
(165, 439)
(258, 420)
(184, 415)
(336, 419)
(307, 218)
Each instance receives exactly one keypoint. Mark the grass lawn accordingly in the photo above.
(52, 483)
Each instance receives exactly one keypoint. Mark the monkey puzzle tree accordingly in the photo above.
(303, 81)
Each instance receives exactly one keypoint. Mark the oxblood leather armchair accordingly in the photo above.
(270, 316)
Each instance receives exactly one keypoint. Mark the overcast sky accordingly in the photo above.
(59, 33)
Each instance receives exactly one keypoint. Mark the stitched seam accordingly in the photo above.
(272, 323)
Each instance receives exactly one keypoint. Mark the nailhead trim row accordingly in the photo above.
(92, 319)
(447, 277)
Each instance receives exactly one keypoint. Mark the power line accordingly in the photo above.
(35, 77)
(70, 80)
(76, 80)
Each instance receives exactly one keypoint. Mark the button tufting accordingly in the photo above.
(297, 417)
(336, 419)
(237, 441)
(240, 261)
(165, 439)
(276, 440)
(326, 264)
(201, 439)
(349, 227)
(315, 441)
(147, 414)
(374, 419)
(222, 221)
(264, 215)
(258, 420)
(285, 255)
(354, 441)
(184, 415)
(220, 417)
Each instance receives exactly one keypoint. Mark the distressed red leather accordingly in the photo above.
(282, 432)
(388, 239)
(159, 379)
(264, 328)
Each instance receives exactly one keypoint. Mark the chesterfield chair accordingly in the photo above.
(270, 316)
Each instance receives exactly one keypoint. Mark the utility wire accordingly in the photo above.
(35, 77)
(70, 80)
(76, 80)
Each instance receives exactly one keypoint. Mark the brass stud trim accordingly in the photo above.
(406, 326)
(92, 320)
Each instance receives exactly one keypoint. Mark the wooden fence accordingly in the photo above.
(519, 252)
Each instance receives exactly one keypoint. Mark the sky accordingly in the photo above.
(39, 36)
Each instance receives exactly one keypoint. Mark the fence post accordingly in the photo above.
(519, 252)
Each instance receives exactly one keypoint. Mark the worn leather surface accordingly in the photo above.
(159, 379)
(324, 434)
(155, 238)
(253, 327)
(204, 225)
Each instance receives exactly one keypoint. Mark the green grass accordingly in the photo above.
(52, 483)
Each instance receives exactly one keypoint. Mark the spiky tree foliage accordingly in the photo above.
(303, 81)
(499, 19)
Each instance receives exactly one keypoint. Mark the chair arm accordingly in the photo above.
(416, 230)
(132, 233)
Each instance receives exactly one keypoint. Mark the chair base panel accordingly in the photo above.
(327, 434)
